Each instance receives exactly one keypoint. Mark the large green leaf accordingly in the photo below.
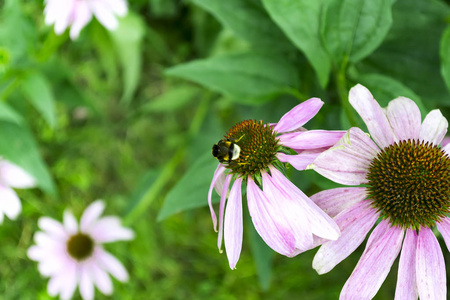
(128, 39)
(445, 56)
(7, 113)
(246, 78)
(410, 53)
(38, 91)
(249, 20)
(192, 189)
(352, 29)
(18, 146)
(300, 21)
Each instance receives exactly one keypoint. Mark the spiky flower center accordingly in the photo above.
(409, 183)
(80, 246)
(258, 146)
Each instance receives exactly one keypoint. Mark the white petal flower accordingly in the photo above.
(72, 255)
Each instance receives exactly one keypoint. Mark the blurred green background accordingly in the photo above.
(124, 116)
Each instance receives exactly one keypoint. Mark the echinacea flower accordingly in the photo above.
(73, 255)
(285, 218)
(77, 13)
(12, 176)
(406, 183)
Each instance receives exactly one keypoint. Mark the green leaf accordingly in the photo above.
(410, 52)
(7, 113)
(300, 21)
(246, 78)
(352, 29)
(248, 20)
(262, 255)
(192, 189)
(385, 89)
(128, 39)
(174, 98)
(18, 146)
(38, 91)
(445, 56)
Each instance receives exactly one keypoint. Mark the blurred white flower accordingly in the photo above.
(73, 255)
(77, 13)
(12, 176)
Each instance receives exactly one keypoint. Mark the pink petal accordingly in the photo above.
(217, 174)
(14, 176)
(320, 223)
(104, 15)
(430, 267)
(101, 279)
(10, 204)
(299, 115)
(86, 282)
(311, 139)
(434, 127)
(404, 117)
(52, 227)
(372, 114)
(233, 224)
(381, 250)
(70, 223)
(268, 223)
(109, 229)
(446, 149)
(82, 16)
(334, 201)
(119, 7)
(91, 214)
(348, 162)
(355, 222)
(223, 199)
(111, 264)
(406, 278)
(299, 161)
(444, 228)
(446, 141)
(70, 281)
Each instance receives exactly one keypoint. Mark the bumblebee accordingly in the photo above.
(226, 150)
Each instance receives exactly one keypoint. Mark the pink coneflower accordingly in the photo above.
(406, 178)
(12, 176)
(253, 153)
(77, 13)
(73, 255)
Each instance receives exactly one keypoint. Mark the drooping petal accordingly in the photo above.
(444, 228)
(292, 214)
(298, 161)
(354, 222)
(276, 236)
(70, 281)
(311, 139)
(9, 202)
(101, 279)
(86, 283)
(82, 16)
(233, 227)
(70, 223)
(334, 201)
(372, 114)
(111, 264)
(404, 116)
(299, 115)
(55, 284)
(63, 16)
(223, 199)
(434, 127)
(14, 176)
(406, 279)
(109, 229)
(381, 250)
(430, 267)
(91, 214)
(217, 174)
(347, 162)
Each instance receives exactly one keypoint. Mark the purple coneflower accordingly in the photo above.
(77, 13)
(284, 216)
(406, 183)
(12, 176)
(73, 255)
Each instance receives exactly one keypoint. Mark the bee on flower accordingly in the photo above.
(253, 157)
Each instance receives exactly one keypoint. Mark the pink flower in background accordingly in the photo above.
(12, 176)
(72, 255)
(77, 13)
(252, 154)
(407, 184)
